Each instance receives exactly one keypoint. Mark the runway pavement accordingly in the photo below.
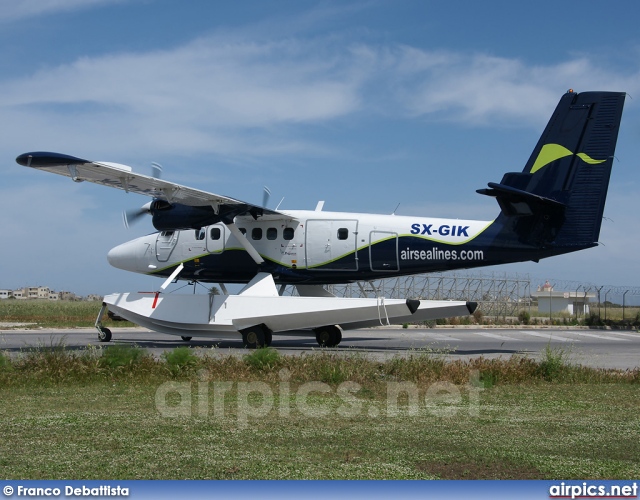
(596, 348)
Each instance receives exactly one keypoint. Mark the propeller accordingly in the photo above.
(132, 216)
(156, 170)
(265, 196)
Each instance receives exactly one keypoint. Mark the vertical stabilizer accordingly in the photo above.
(558, 199)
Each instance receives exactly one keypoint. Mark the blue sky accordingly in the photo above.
(362, 104)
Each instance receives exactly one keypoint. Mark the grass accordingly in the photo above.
(54, 314)
(101, 413)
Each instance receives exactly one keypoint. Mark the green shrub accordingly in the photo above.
(117, 356)
(592, 320)
(524, 317)
(180, 360)
(553, 364)
(5, 362)
(265, 358)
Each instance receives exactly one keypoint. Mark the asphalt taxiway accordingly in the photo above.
(596, 348)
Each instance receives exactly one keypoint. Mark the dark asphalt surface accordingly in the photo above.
(597, 348)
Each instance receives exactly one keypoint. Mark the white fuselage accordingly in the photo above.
(319, 241)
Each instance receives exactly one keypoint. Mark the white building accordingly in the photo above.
(575, 302)
(31, 292)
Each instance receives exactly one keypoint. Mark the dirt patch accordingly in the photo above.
(480, 470)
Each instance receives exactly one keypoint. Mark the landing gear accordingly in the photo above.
(185, 338)
(253, 337)
(104, 334)
(256, 337)
(328, 336)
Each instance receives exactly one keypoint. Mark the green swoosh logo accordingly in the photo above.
(552, 152)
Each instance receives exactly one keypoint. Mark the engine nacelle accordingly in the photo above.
(174, 216)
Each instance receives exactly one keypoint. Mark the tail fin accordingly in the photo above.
(558, 199)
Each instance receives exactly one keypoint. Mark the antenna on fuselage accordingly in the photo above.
(396, 209)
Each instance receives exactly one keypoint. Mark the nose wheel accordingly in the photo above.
(104, 334)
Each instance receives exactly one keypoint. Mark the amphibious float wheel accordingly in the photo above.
(328, 336)
(186, 339)
(253, 337)
(104, 335)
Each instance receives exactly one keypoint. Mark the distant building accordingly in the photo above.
(41, 293)
(68, 296)
(551, 301)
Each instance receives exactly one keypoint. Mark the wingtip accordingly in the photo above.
(47, 159)
(24, 159)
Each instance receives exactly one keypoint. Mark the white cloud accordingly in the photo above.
(11, 10)
(191, 98)
(481, 89)
(197, 97)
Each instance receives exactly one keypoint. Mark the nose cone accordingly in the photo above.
(124, 256)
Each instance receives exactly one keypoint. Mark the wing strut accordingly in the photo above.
(245, 243)
(173, 276)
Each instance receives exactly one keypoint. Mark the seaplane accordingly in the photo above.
(553, 206)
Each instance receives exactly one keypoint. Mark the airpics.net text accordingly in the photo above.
(205, 399)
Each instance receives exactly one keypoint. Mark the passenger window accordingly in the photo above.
(272, 233)
(243, 230)
(215, 233)
(200, 234)
(343, 233)
(287, 234)
(256, 233)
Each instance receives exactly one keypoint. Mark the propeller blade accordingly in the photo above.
(265, 196)
(156, 170)
(130, 217)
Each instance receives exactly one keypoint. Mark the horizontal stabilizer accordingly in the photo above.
(514, 201)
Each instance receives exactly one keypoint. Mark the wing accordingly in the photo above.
(122, 177)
